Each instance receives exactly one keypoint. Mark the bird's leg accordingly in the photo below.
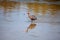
(32, 21)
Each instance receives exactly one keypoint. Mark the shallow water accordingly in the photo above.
(14, 24)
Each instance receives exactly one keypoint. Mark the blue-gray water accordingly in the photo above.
(14, 27)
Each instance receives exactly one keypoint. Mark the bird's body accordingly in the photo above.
(32, 17)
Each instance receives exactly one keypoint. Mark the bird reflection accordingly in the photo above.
(31, 26)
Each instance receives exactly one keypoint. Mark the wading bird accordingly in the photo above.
(32, 17)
